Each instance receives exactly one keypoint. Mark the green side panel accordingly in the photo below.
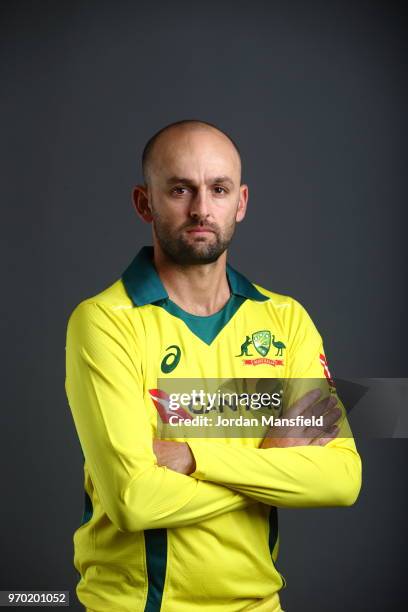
(156, 562)
(88, 509)
(273, 528)
(273, 537)
(86, 514)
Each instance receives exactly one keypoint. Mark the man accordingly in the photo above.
(184, 526)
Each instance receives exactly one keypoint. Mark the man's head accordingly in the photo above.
(192, 192)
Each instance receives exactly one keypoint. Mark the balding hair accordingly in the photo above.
(147, 155)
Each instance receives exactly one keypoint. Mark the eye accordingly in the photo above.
(222, 189)
(178, 190)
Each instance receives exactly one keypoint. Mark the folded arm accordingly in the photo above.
(104, 386)
(293, 477)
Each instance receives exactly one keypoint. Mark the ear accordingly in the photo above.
(242, 204)
(140, 199)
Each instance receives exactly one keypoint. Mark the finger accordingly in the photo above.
(285, 442)
(328, 422)
(326, 439)
(329, 419)
(321, 407)
(315, 432)
(304, 402)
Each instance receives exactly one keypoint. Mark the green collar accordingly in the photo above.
(144, 286)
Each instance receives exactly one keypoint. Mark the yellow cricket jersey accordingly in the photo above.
(153, 539)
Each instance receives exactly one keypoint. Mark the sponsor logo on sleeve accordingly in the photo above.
(326, 370)
(161, 400)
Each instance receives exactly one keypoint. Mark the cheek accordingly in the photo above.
(227, 219)
(168, 215)
(174, 210)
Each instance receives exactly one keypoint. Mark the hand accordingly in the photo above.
(282, 436)
(175, 455)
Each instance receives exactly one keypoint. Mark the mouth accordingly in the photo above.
(200, 230)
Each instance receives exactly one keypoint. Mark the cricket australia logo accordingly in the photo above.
(262, 341)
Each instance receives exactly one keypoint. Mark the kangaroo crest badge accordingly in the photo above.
(262, 341)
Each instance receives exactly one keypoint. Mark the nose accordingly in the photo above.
(199, 205)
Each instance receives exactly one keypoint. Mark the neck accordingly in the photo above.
(198, 289)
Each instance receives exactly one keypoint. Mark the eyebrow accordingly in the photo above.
(186, 181)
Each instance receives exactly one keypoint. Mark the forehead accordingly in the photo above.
(194, 152)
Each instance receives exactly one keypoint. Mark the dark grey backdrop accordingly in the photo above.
(314, 94)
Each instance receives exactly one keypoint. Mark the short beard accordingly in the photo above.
(186, 254)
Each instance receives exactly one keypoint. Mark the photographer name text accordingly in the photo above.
(241, 421)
